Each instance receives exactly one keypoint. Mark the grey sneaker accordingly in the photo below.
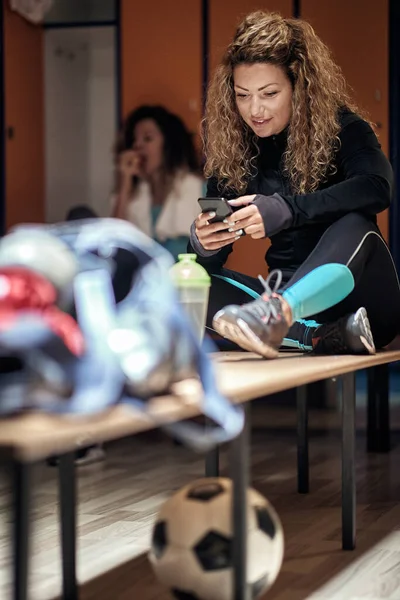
(258, 326)
(85, 456)
(91, 455)
(349, 335)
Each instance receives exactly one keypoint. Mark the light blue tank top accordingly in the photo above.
(176, 245)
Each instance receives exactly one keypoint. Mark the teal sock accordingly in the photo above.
(320, 289)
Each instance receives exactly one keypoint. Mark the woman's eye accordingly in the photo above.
(271, 94)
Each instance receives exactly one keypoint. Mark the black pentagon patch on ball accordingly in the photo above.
(184, 595)
(159, 540)
(214, 552)
(259, 586)
(265, 522)
(205, 491)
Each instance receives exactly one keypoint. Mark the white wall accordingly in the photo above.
(80, 118)
(102, 117)
(81, 11)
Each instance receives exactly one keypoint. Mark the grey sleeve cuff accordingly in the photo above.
(197, 247)
(275, 213)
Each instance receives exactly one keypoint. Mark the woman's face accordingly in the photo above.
(148, 141)
(263, 97)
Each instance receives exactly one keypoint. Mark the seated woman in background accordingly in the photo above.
(157, 181)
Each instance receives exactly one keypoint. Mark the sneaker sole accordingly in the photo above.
(239, 332)
(366, 338)
(93, 455)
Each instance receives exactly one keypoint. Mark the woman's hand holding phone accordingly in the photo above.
(213, 236)
(247, 217)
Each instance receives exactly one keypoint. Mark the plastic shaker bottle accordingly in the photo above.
(193, 284)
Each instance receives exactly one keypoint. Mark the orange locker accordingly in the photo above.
(359, 43)
(161, 56)
(24, 116)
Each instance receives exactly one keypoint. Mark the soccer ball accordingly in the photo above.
(191, 549)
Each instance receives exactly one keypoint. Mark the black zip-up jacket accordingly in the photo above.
(295, 222)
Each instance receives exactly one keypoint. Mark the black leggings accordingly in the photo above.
(355, 242)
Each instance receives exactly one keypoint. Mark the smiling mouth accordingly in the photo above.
(260, 121)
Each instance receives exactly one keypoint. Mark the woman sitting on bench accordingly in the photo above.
(288, 148)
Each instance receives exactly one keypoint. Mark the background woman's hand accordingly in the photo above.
(247, 218)
(213, 236)
(129, 163)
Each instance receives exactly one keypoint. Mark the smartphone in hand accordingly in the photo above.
(220, 206)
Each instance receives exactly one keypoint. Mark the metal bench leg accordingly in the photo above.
(20, 525)
(378, 413)
(212, 463)
(348, 463)
(67, 481)
(302, 440)
(211, 466)
(240, 460)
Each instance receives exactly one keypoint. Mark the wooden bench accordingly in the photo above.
(242, 377)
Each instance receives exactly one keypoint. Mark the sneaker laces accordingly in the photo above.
(264, 306)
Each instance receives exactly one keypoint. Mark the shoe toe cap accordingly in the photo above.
(230, 311)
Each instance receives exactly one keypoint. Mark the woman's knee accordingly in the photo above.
(356, 223)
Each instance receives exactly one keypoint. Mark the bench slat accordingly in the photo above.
(242, 376)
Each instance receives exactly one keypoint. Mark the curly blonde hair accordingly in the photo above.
(319, 92)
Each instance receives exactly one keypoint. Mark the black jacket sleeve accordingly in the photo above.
(366, 186)
(210, 259)
(363, 184)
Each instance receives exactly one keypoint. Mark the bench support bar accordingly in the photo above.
(302, 440)
(348, 463)
(67, 481)
(20, 525)
(378, 421)
(240, 461)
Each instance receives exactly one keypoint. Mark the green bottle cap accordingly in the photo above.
(188, 273)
